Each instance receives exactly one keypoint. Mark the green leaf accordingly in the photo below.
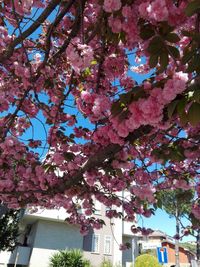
(125, 98)
(187, 33)
(183, 118)
(119, 172)
(93, 62)
(159, 203)
(165, 28)
(192, 8)
(196, 96)
(171, 108)
(181, 106)
(164, 60)
(49, 167)
(196, 37)
(87, 72)
(146, 32)
(173, 51)
(116, 108)
(153, 60)
(155, 45)
(172, 37)
(190, 67)
(139, 93)
(68, 156)
(194, 65)
(194, 114)
(187, 56)
(123, 115)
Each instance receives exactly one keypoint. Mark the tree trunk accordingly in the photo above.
(177, 261)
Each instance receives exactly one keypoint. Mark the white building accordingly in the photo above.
(45, 232)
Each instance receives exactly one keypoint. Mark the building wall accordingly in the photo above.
(97, 258)
(50, 237)
(117, 236)
(127, 255)
(171, 253)
(45, 232)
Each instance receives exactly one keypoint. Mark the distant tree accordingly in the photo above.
(189, 246)
(192, 230)
(9, 228)
(177, 203)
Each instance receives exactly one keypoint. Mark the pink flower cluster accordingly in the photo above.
(150, 110)
(126, 24)
(196, 210)
(79, 55)
(163, 10)
(156, 10)
(93, 105)
(5, 38)
(144, 192)
(112, 5)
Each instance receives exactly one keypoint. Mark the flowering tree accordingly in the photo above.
(66, 65)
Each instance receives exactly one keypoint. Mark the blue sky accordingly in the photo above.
(163, 222)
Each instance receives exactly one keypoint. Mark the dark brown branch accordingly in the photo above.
(76, 181)
(98, 159)
(10, 49)
(52, 27)
(74, 31)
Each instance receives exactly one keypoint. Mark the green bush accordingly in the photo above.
(106, 263)
(146, 260)
(69, 258)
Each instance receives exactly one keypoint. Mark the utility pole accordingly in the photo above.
(177, 261)
(198, 246)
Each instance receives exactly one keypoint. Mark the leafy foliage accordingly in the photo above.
(173, 200)
(189, 246)
(106, 263)
(146, 260)
(69, 258)
(9, 228)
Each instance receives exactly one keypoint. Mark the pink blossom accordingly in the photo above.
(112, 5)
(156, 10)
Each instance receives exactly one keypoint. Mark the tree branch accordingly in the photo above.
(98, 159)
(52, 27)
(74, 31)
(10, 49)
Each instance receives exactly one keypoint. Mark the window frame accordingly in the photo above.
(93, 243)
(108, 237)
(97, 207)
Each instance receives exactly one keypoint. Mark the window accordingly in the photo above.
(95, 243)
(107, 244)
(97, 206)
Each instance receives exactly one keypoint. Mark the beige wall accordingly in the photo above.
(97, 258)
(50, 237)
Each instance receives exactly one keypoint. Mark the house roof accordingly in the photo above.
(158, 233)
